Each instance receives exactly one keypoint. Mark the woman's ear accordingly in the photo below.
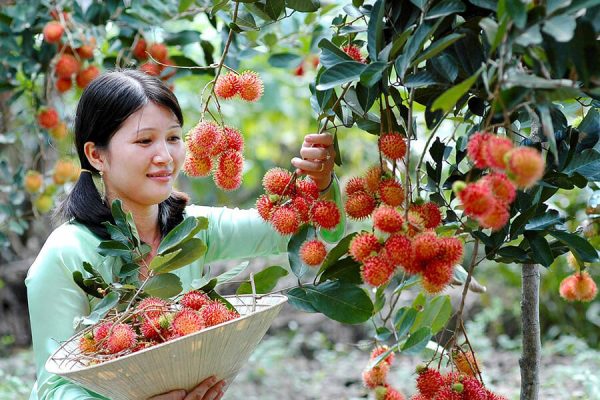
(94, 155)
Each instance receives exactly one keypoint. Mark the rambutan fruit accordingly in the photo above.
(477, 199)
(493, 396)
(430, 213)
(230, 163)
(375, 376)
(399, 250)
(225, 182)
(66, 66)
(194, 299)
(156, 328)
(466, 362)
(376, 270)
(379, 350)
(53, 31)
(473, 390)
(150, 68)
(151, 307)
(48, 118)
(451, 250)
(387, 393)
(203, 137)
(496, 218)
(448, 393)
(187, 321)
(121, 337)
(251, 86)
(495, 151)
(438, 272)
(387, 219)
(264, 206)
(578, 287)
(86, 51)
(63, 84)
(139, 51)
(285, 220)
(101, 331)
(87, 75)
(372, 178)
(354, 52)
(416, 222)
(426, 246)
(227, 86)
(355, 184)
(307, 188)
(429, 382)
(476, 149)
(502, 188)
(360, 205)
(87, 344)
(33, 181)
(391, 192)
(432, 288)
(195, 165)
(216, 313)
(276, 180)
(313, 252)
(302, 207)
(158, 51)
(235, 140)
(525, 166)
(325, 214)
(364, 245)
(392, 146)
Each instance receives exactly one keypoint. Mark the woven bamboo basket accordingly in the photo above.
(182, 363)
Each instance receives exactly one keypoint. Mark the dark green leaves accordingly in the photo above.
(284, 60)
(264, 281)
(447, 101)
(542, 253)
(578, 245)
(375, 30)
(303, 5)
(341, 73)
(163, 286)
(102, 308)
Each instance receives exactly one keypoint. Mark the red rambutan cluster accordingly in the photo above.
(354, 52)
(375, 378)
(217, 150)
(247, 85)
(578, 287)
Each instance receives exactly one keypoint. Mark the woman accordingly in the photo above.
(128, 129)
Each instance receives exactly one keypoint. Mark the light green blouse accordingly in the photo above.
(55, 300)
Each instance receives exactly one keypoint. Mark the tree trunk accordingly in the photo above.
(13, 303)
(531, 353)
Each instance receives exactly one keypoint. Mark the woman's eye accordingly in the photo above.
(144, 141)
(175, 138)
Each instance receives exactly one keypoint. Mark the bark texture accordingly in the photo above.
(531, 352)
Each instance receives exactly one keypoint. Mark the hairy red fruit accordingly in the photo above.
(197, 165)
(139, 51)
(285, 220)
(375, 376)
(372, 178)
(399, 250)
(225, 182)
(86, 51)
(379, 350)
(387, 219)
(66, 66)
(231, 163)
(429, 382)
(202, 138)
(477, 199)
(416, 223)
(391, 192)
(265, 207)
(87, 75)
(325, 214)
(227, 86)
(502, 188)
(426, 246)
(101, 331)
(158, 51)
(392, 145)
(251, 86)
(63, 84)
(432, 288)
(354, 52)
(150, 68)
(313, 252)
(447, 393)
(451, 250)
(187, 321)
(495, 151)
(53, 31)
(87, 344)
(355, 184)
(363, 245)
(302, 207)
(156, 328)
(494, 396)
(121, 337)
(476, 149)
(388, 393)
(376, 270)
(473, 390)
(194, 299)
(33, 181)
(360, 205)
(276, 180)
(307, 188)
(48, 118)
(438, 273)
(216, 313)
(151, 307)
(525, 166)
(578, 287)
(430, 214)
(235, 140)
(496, 218)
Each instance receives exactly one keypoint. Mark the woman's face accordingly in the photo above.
(144, 157)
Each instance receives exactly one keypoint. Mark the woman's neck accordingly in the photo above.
(145, 219)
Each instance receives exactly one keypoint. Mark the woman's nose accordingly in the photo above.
(162, 155)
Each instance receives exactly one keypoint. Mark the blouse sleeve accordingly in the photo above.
(54, 302)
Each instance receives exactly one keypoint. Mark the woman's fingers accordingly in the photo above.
(208, 389)
(323, 139)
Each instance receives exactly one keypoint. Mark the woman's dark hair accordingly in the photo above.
(104, 105)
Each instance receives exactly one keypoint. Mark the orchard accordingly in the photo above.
(467, 151)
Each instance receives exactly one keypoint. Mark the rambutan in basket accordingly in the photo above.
(181, 363)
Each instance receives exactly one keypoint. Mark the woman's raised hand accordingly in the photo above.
(317, 158)
(208, 389)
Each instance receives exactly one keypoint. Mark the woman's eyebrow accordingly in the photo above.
(153, 129)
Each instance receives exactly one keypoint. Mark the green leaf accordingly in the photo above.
(182, 38)
(447, 100)
(159, 260)
(375, 29)
(231, 273)
(404, 319)
(163, 286)
(114, 249)
(541, 251)
(346, 270)
(562, 27)
(336, 252)
(102, 308)
(341, 302)
(548, 129)
(421, 79)
(296, 264)
(417, 341)
(546, 220)
(373, 73)
(191, 250)
(92, 290)
(435, 315)
(245, 21)
(531, 36)
(578, 245)
(183, 231)
(517, 11)
(437, 47)
(184, 5)
(299, 298)
(274, 8)
(264, 281)
(285, 60)
(341, 73)
(331, 54)
(586, 163)
(413, 46)
(445, 7)
(303, 5)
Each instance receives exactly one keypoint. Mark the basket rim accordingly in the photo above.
(64, 372)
